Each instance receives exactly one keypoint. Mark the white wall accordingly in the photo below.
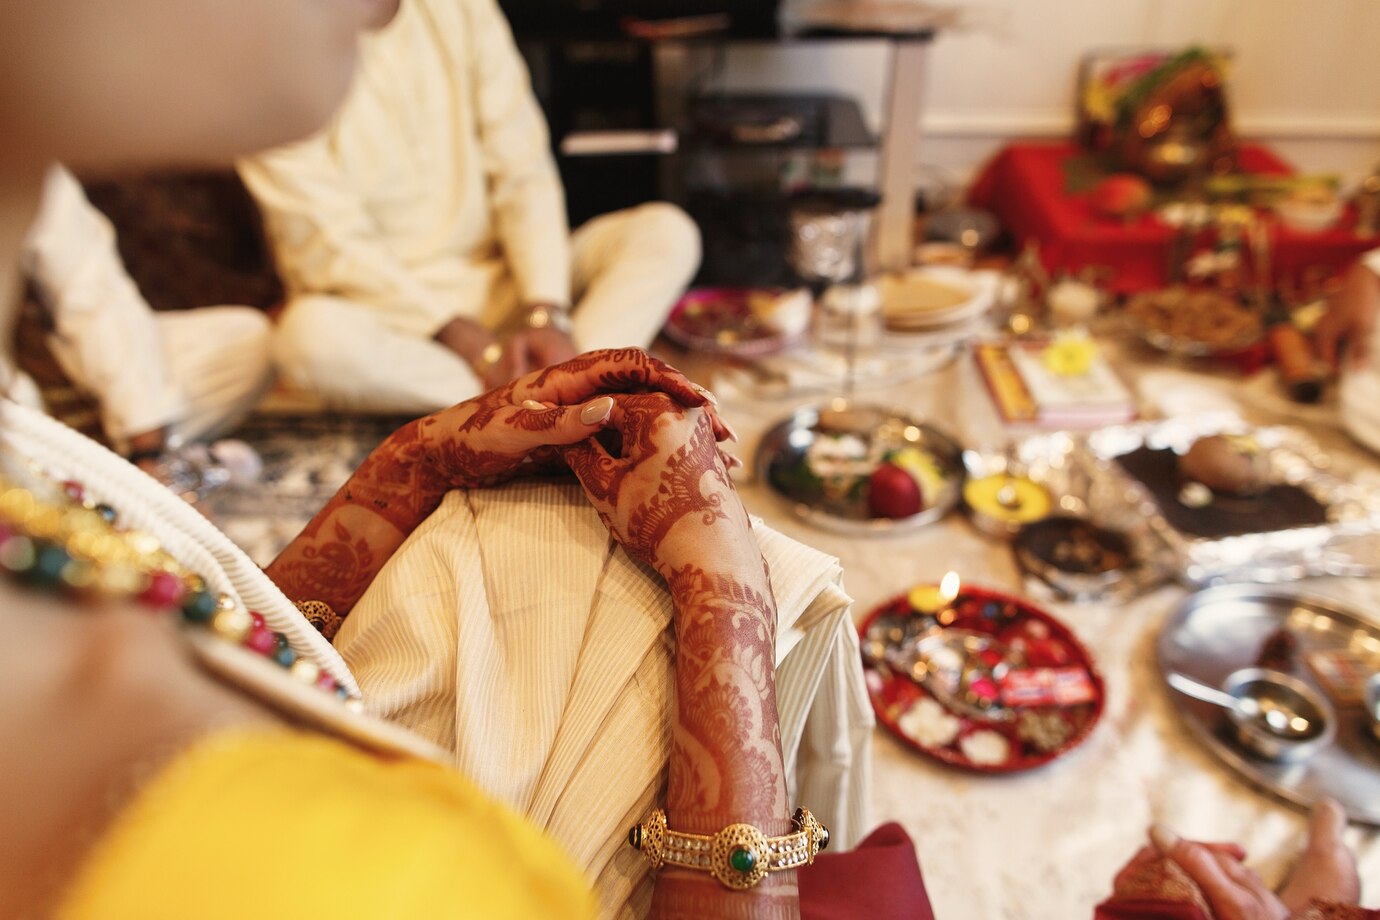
(1306, 76)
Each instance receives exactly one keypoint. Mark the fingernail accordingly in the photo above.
(1164, 839)
(597, 411)
(708, 396)
(734, 463)
(732, 435)
(533, 405)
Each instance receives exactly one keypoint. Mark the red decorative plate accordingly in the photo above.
(718, 320)
(993, 684)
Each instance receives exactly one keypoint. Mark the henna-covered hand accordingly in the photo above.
(668, 472)
(480, 442)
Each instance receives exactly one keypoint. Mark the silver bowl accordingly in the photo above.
(1278, 716)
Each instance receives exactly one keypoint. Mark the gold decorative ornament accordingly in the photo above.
(321, 616)
(739, 856)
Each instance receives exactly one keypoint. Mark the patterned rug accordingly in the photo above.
(306, 459)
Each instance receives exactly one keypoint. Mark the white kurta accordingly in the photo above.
(510, 629)
(433, 196)
(1360, 387)
(195, 372)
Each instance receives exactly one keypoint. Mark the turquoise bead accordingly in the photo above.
(49, 564)
(284, 656)
(199, 607)
(743, 860)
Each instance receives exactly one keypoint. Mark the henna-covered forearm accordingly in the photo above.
(726, 765)
(336, 556)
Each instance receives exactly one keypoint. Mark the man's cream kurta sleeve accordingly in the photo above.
(107, 338)
(326, 243)
(525, 192)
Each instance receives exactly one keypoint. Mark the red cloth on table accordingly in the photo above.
(1024, 186)
(879, 880)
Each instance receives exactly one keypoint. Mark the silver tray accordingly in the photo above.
(1083, 473)
(788, 441)
(1221, 629)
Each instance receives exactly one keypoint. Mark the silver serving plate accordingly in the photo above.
(790, 439)
(1221, 629)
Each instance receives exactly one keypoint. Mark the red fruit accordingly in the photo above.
(1120, 195)
(893, 493)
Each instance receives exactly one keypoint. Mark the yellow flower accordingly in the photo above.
(1070, 355)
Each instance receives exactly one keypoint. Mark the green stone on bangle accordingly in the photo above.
(743, 860)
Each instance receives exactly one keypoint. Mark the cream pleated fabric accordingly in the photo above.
(511, 629)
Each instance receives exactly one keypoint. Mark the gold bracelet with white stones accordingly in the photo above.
(739, 856)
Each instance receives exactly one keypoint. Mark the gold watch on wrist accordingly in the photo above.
(739, 856)
(549, 316)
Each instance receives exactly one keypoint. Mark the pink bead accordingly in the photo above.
(165, 590)
(74, 490)
(261, 640)
(326, 682)
(258, 619)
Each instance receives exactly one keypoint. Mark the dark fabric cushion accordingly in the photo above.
(190, 239)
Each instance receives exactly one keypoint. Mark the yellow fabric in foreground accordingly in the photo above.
(281, 824)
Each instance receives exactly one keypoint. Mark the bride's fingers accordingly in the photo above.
(618, 370)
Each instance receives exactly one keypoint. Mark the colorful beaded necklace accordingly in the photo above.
(54, 536)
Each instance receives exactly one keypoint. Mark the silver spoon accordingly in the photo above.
(1278, 718)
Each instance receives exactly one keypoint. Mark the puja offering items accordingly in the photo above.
(1300, 370)
(861, 469)
(977, 679)
(1244, 497)
(926, 298)
(1217, 639)
(745, 322)
(1310, 208)
(1064, 382)
(1193, 323)
(1002, 503)
(1315, 518)
(1230, 464)
(1121, 196)
(1075, 557)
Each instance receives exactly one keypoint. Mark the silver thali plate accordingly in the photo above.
(1221, 629)
(784, 449)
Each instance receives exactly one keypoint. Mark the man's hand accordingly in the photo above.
(470, 341)
(542, 347)
(1350, 318)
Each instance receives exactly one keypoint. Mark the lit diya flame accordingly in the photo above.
(948, 592)
(936, 600)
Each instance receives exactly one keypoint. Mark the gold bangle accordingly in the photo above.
(322, 616)
(739, 856)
